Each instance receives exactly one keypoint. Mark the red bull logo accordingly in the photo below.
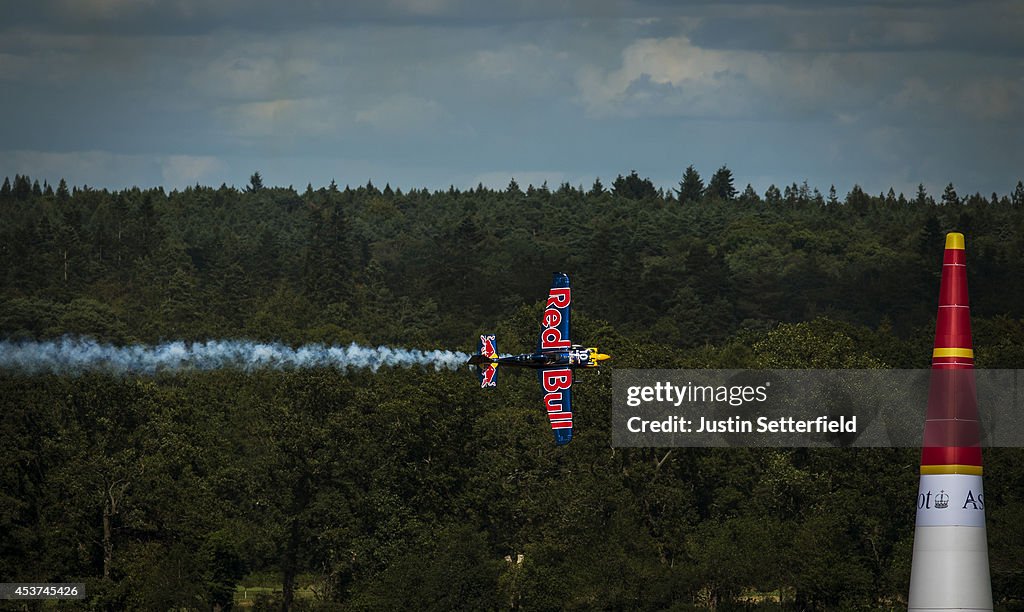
(487, 346)
(551, 335)
(487, 374)
(555, 383)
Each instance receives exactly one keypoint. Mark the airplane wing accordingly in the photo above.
(554, 333)
(557, 386)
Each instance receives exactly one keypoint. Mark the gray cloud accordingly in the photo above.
(432, 92)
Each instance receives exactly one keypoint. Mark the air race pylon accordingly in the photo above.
(950, 570)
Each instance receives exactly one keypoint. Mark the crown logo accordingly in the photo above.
(942, 500)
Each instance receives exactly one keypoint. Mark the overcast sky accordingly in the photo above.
(427, 93)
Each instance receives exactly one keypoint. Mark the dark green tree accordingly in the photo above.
(721, 185)
(633, 187)
(791, 195)
(922, 198)
(691, 187)
(62, 191)
(749, 196)
(949, 196)
(255, 183)
(816, 198)
(1018, 195)
(858, 200)
(22, 189)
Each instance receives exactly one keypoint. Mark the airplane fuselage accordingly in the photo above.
(576, 356)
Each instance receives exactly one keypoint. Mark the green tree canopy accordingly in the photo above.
(691, 187)
(721, 185)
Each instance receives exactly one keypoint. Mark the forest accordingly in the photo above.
(324, 489)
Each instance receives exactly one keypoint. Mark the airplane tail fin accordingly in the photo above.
(485, 361)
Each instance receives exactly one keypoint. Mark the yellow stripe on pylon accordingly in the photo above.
(953, 352)
(973, 470)
(955, 240)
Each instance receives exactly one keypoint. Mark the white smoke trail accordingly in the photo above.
(71, 355)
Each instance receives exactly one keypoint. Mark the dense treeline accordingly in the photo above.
(411, 488)
(424, 268)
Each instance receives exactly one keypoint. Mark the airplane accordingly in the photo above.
(555, 359)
